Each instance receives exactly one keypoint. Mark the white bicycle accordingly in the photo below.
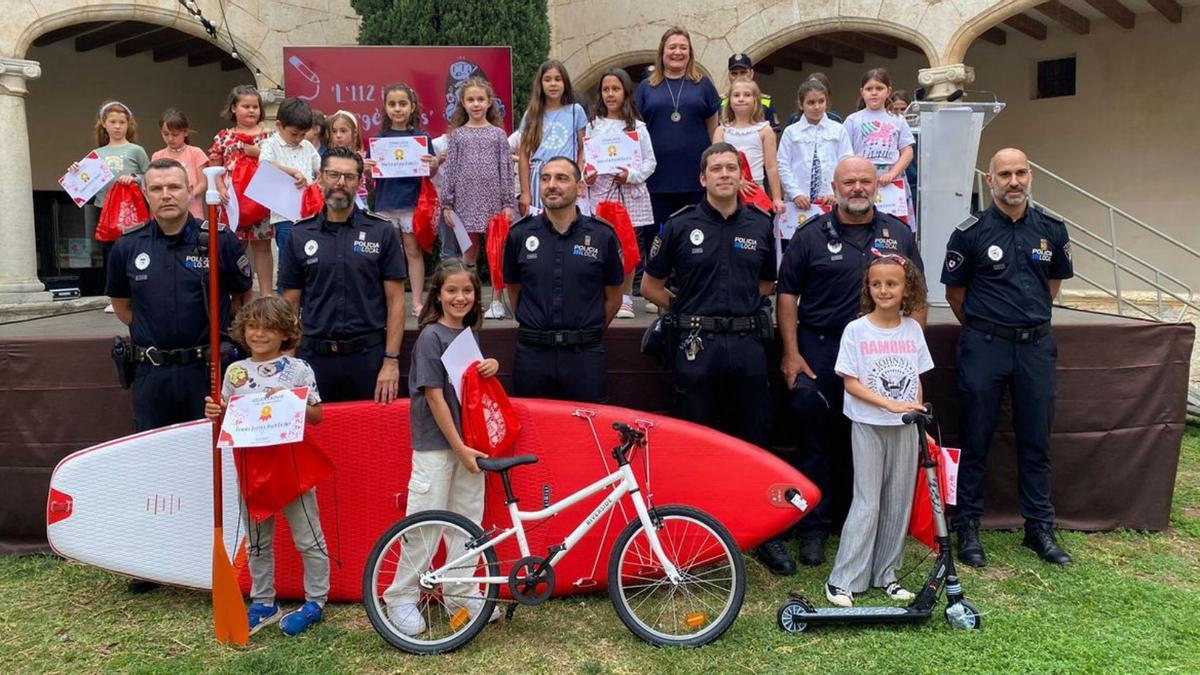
(675, 577)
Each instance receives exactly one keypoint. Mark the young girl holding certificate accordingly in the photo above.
(614, 112)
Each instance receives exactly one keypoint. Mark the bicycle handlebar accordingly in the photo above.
(628, 434)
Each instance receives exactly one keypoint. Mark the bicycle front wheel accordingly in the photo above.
(429, 619)
(702, 604)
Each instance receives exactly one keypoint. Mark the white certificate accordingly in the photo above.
(275, 190)
(890, 198)
(87, 179)
(793, 216)
(257, 420)
(399, 156)
(611, 152)
(460, 232)
(459, 356)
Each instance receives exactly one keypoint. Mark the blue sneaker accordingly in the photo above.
(261, 616)
(295, 623)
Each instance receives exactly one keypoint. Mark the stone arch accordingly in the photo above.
(971, 29)
(798, 31)
(170, 16)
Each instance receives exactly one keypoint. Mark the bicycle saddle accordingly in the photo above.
(504, 463)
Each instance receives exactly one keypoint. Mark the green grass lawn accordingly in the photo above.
(1129, 604)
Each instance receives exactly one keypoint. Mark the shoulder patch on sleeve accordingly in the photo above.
(954, 260)
(243, 265)
(966, 223)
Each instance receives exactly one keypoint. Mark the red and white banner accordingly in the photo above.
(354, 78)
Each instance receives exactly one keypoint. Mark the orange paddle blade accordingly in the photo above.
(229, 610)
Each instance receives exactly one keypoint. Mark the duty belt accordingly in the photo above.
(169, 357)
(346, 347)
(718, 324)
(1007, 332)
(558, 338)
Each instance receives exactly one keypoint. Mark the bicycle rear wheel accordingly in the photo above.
(429, 620)
(706, 600)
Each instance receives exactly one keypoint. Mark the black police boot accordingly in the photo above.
(970, 551)
(1040, 538)
(774, 556)
(812, 551)
(139, 586)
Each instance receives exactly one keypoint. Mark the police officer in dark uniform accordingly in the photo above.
(820, 280)
(344, 268)
(720, 257)
(563, 272)
(158, 282)
(741, 68)
(1001, 273)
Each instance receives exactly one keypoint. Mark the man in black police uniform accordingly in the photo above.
(720, 257)
(820, 280)
(741, 68)
(158, 282)
(563, 271)
(1001, 273)
(344, 268)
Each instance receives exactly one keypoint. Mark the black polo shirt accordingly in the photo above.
(1006, 265)
(340, 268)
(715, 262)
(562, 276)
(825, 261)
(166, 278)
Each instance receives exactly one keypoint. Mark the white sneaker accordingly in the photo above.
(109, 309)
(897, 592)
(839, 596)
(407, 618)
(626, 311)
(651, 308)
(496, 311)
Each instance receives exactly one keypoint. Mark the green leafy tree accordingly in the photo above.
(522, 24)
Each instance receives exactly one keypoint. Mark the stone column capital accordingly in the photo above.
(942, 81)
(14, 72)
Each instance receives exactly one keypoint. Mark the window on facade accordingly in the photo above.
(1055, 77)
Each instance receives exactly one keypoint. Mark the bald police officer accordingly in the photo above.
(1001, 273)
(820, 280)
(720, 257)
(563, 272)
(344, 268)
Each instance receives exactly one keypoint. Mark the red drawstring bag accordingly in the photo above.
(489, 421)
(497, 233)
(249, 211)
(425, 216)
(274, 476)
(124, 207)
(920, 522)
(751, 192)
(615, 213)
(312, 201)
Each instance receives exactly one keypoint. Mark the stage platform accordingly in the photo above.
(1120, 416)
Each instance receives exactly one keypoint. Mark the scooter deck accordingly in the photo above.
(862, 614)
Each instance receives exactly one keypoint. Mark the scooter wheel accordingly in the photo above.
(791, 617)
(963, 615)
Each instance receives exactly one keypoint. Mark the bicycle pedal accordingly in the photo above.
(508, 613)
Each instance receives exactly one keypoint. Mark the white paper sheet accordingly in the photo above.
(459, 356)
(232, 210)
(793, 216)
(275, 190)
(399, 156)
(611, 152)
(460, 232)
(87, 179)
(258, 420)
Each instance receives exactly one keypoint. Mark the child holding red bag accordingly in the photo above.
(444, 473)
(243, 107)
(396, 198)
(614, 111)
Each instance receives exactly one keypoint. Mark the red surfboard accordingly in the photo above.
(740, 484)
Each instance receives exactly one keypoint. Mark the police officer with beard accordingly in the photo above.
(344, 268)
(820, 280)
(1001, 273)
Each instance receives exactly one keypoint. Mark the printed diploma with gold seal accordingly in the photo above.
(610, 152)
(260, 419)
(399, 156)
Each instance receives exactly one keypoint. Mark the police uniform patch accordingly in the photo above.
(142, 261)
(995, 252)
(310, 247)
(1067, 250)
(655, 246)
(696, 237)
(834, 246)
(243, 265)
(532, 243)
(954, 260)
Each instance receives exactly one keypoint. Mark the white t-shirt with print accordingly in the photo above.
(251, 377)
(888, 361)
(878, 135)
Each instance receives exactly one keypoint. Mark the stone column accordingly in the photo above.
(942, 81)
(18, 251)
(271, 99)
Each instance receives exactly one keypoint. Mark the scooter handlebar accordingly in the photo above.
(925, 417)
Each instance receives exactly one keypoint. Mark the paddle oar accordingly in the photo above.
(229, 611)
